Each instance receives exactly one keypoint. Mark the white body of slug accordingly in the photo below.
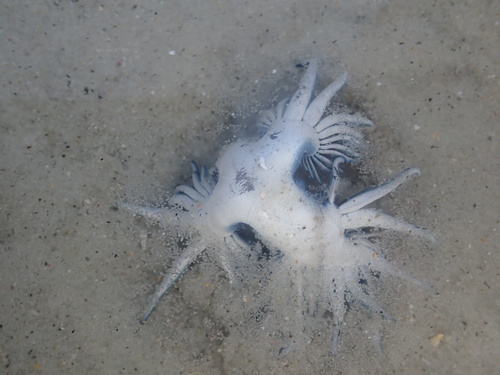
(254, 184)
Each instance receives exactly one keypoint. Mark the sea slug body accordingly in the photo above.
(255, 184)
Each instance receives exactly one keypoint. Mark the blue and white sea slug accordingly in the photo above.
(328, 245)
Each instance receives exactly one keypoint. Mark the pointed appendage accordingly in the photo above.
(174, 273)
(368, 196)
(300, 100)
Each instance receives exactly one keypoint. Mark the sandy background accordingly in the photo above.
(102, 101)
